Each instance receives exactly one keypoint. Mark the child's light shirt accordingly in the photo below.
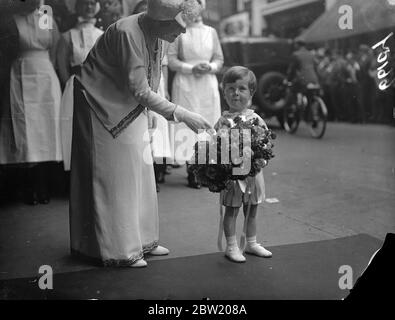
(252, 188)
(227, 118)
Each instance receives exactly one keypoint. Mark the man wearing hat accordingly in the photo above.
(113, 201)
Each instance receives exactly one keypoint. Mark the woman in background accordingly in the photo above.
(161, 147)
(110, 12)
(73, 48)
(63, 14)
(29, 128)
(196, 57)
(8, 51)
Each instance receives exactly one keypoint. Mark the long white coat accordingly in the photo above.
(30, 132)
(200, 94)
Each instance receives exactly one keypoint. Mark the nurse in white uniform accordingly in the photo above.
(29, 128)
(196, 56)
(74, 46)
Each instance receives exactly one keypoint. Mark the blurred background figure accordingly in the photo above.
(196, 57)
(354, 111)
(324, 70)
(338, 93)
(367, 84)
(110, 12)
(74, 46)
(8, 51)
(302, 69)
(29, 124)
(64, 17)
(161, 145)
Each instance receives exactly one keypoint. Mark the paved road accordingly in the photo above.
(339, 186)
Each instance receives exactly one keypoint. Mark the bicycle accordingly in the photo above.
(307, 105)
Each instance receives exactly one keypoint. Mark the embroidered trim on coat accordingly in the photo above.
(116, 131)
(131, 260)
(119, 263)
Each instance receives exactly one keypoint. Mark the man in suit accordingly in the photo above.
(302, 69)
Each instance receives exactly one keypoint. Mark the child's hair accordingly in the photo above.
(237, 73)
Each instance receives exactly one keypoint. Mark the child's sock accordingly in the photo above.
(231, 241)
(251, 241)
(255, 248)
(232, 250)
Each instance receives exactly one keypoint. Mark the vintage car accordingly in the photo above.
(269, 59)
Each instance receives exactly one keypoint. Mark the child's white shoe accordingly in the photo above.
(234, 254)
(258, 250)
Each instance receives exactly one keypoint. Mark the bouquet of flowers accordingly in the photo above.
(240, 148)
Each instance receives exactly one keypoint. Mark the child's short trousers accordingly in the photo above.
(235, 197)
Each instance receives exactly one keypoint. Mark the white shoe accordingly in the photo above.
(234, 254)
(141, 263)
(159, 251)
(258, 250)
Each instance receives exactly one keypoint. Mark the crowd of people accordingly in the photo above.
(351, 86)
(37, 119)
(36, 71)
(38, 67)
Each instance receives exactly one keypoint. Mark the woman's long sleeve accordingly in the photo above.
(62, 58)
(136, 78)
(217, 60)
(54, 44)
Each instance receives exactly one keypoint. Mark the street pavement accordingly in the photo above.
(323, 189)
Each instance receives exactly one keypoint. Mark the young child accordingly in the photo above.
(239, 86)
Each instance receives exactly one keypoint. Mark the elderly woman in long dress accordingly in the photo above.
(29, 126)
(113, 201)
(196, 56)
(160, 142)
(73, 48)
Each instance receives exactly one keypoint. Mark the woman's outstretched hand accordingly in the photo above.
(193, 120)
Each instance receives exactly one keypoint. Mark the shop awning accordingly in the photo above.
(368, 16)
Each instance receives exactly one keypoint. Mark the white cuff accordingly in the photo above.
(174, 115)
(214, 67)
(186, 68)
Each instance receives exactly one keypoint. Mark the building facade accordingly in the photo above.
(280, 18)
(217, 10)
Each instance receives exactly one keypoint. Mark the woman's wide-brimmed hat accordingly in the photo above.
(178, 10)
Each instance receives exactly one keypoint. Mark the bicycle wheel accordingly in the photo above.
(291, 118)
(317, 120)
